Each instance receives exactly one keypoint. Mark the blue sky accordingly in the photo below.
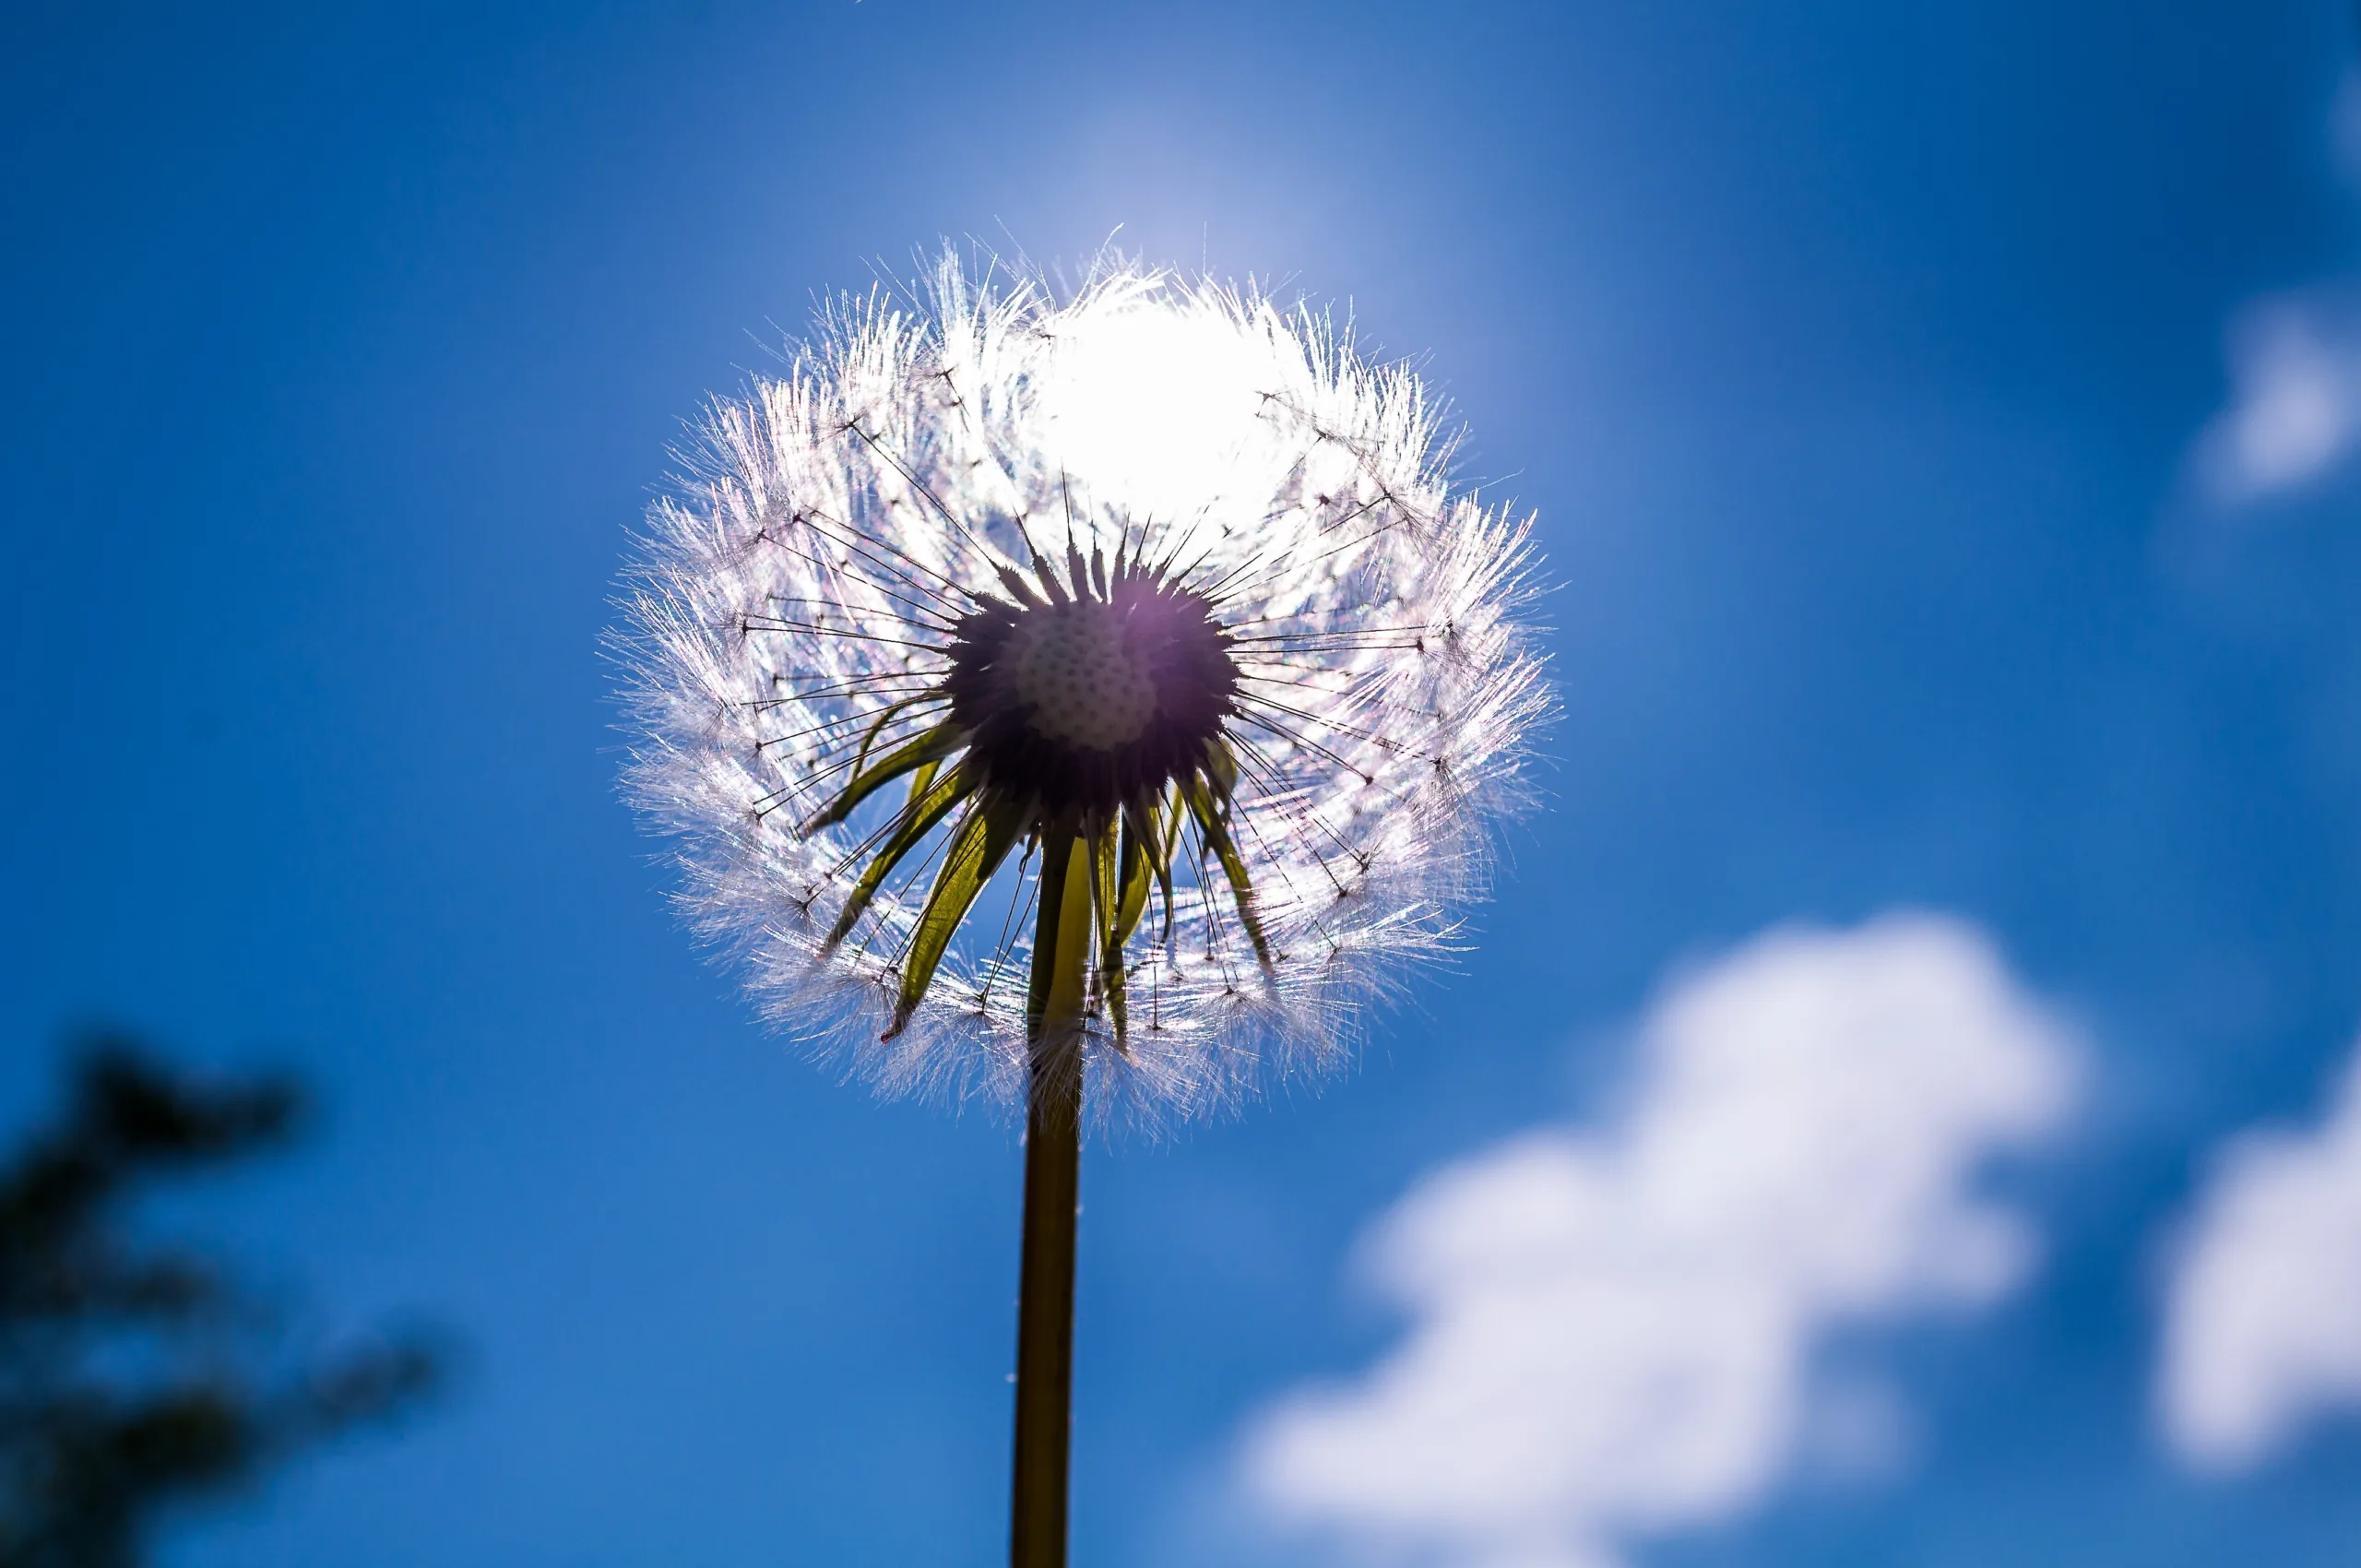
(1859, 359)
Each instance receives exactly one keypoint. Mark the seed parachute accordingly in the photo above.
(1142, 623)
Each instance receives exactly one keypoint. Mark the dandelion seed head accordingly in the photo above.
(1084, 686)
(1156, 567)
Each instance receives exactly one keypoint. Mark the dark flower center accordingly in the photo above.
(1089, 701)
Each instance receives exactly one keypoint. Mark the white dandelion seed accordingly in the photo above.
(1085, 702)
(1162, 570)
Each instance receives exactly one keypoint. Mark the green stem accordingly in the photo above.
(1053, 1188)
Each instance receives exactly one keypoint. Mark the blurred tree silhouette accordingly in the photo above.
(136, 1377)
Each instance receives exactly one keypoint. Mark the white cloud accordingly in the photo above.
(1616, 1332)
(2264, 1321)
(2295, 413)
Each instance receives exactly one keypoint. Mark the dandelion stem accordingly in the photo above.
(1052, 1186)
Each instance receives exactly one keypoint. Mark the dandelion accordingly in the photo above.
(1089, 701)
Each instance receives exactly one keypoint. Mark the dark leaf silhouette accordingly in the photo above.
(134, 1377)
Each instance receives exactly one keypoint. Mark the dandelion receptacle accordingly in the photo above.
(1086, 700)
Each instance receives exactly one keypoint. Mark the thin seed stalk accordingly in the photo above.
(1052, 1196)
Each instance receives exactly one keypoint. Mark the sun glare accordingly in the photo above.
(1156, 409)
